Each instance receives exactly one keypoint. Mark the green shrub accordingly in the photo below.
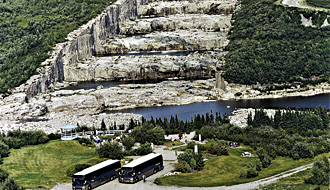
(76, 168)
(10, 184)
(194, 161)
(4, 149)
(216, 147)
(85, 142)
(54, 136)
(110, 150)
(320, 171)
(144, 149)
(128, 142)
(13, 142)
(182, 166)
(3, 175)
(249, 172)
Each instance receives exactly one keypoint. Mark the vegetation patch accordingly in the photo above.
(29, 29)
(268, 44)
(319, 3)
(46, 165)
(296, 182)
(225, 170)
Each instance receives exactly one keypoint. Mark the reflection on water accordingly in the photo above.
(227, 106)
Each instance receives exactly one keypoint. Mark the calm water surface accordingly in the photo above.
(227, 106)
(224, 106)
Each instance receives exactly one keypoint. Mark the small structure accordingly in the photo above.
(69, 132)
(246, 154)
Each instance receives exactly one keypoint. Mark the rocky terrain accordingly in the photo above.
(180, 42)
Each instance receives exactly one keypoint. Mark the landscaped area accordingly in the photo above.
(45, 165)
(296, 182)
(225, 170)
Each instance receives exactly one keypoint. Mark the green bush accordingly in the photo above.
(128, 142)
(194, 161)
(320, 171)
(10, 184)
(29, 137)
(182, 166)
(3, 175)
(249, 172)
(148, 133)
(13, 142)
(85, 142)
(216, 147)
(144, 149)
(4, 149)
(76, 168)
(110, 150)
(54, 136)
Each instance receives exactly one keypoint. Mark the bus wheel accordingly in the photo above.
(89, 187)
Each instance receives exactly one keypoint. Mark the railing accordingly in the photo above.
(101, 133)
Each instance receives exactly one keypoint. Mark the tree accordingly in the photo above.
(4, 149)
(110, 150)
(10, 184)
(128, 142)
(144, 149)
(158, 135)
(103, 126)
(3, 175)
(320, 171)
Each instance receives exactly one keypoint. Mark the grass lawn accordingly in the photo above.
(169, 143)
(42, 166)
(225, 170)
(296, 182)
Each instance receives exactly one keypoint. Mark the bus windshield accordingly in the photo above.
(126, 171)
(78, 179)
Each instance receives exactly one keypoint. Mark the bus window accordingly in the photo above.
(78, 179)
(126, 171)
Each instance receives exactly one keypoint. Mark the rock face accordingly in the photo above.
(145, 67)
(155, 40)
(81, 44)
(194, 32)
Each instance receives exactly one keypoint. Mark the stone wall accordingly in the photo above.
(82, 43)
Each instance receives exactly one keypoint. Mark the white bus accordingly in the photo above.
(144, 166)
(96, 175)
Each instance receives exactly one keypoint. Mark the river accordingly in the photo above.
(186, 112)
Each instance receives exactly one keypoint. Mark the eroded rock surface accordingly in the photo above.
(162, 26)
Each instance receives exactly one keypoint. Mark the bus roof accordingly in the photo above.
(96, 167)
(141, 160)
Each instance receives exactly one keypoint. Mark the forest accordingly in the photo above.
(319, 3)
(268, 44)
(29, 30)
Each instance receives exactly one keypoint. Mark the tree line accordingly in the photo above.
(268, 44)
(30, 28)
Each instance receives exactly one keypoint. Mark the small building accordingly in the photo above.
(69, 132)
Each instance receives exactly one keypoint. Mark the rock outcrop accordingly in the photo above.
(145, 67)
(81, 44)
(141, 48)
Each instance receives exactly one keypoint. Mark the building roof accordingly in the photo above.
(141, 160)
(69, 126)
(96, 167)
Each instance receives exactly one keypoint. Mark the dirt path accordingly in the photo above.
(294, 3)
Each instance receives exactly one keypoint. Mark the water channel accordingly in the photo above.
(186, 112)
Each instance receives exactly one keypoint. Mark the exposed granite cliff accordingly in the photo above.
(82, 43)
